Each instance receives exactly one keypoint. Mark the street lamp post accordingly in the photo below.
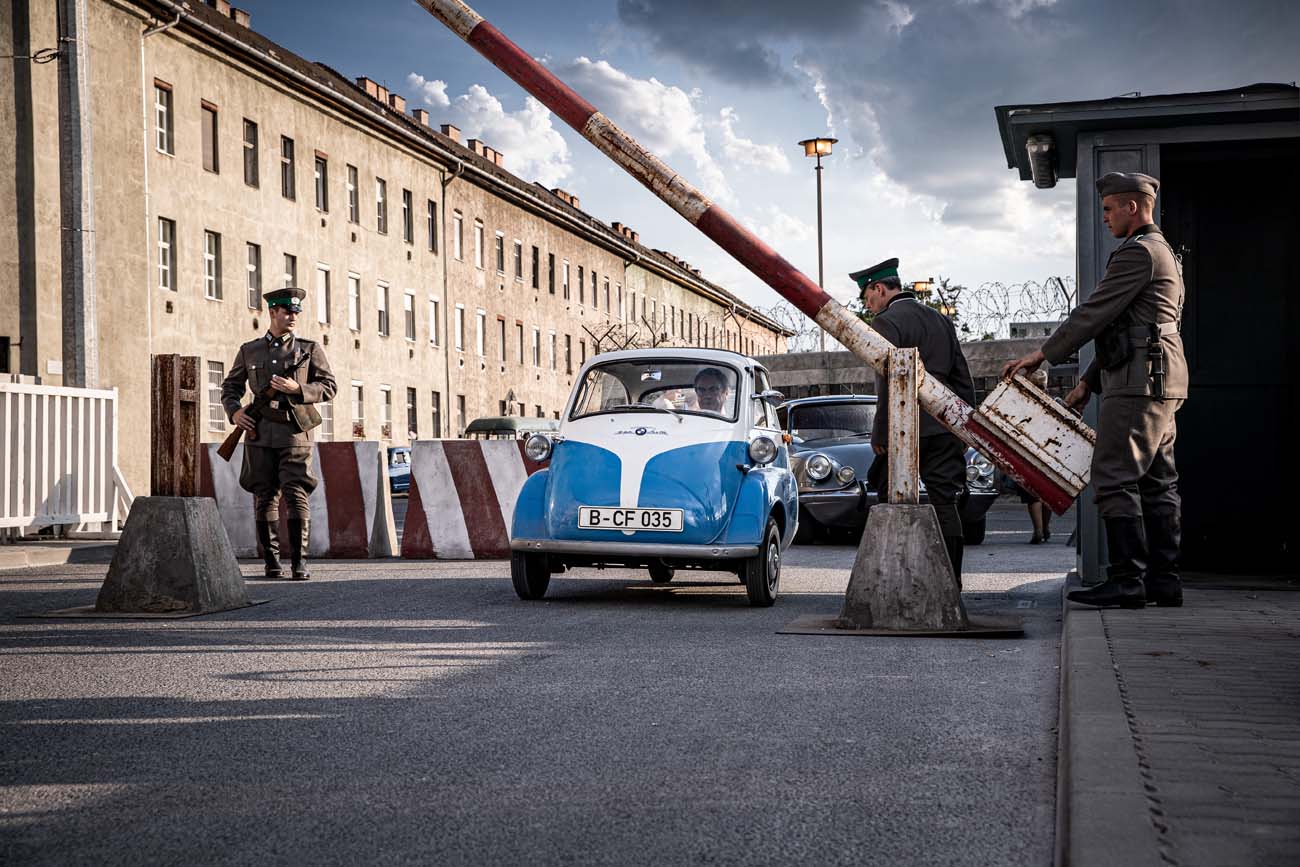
(819, 147)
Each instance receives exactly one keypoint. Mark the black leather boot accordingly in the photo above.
(1123, 584)
(298, 535)
(1164, 538)
(954, 545)
(269, 540)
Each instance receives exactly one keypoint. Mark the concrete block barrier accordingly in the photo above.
(351, 508)
(462, 498)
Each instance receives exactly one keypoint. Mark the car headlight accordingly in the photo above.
(983, 464)
(972, 472)
(818, 467)
(762, 450)
(538, 447)
(845, 475)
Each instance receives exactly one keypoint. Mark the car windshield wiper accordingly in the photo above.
(642, 407)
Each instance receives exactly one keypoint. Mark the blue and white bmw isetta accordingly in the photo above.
(665, 459)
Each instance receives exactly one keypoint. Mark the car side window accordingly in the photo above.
(765, 415)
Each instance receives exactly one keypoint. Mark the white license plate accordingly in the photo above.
(604, 518)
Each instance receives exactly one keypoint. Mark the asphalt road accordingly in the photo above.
(419, 712)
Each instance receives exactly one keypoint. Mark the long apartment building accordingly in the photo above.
(443, 287)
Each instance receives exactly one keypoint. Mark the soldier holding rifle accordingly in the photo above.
(287, 374)
(1133, 316)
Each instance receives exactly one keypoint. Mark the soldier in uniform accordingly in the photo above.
(905, 322)
(277, 451)
(1140, 371)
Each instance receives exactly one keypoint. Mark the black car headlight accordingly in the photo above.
(818, 467)
(538, 447)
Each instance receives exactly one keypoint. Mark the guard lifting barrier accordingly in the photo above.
(58, 457)
(1050, 459)
(462, 498)
(351, 508)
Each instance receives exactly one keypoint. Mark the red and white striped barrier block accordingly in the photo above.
(462, 498)
(351, 508)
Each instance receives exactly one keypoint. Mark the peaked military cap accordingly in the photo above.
(288, 296)
(867, 276)
(1126, 182)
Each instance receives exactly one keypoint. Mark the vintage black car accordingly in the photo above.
(830, 453)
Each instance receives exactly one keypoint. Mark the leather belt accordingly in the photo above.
(1166, 329)
(282, 416)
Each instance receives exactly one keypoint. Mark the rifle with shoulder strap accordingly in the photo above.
(254, 411)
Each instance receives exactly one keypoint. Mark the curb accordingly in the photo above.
(1102, 813)
(55, 554)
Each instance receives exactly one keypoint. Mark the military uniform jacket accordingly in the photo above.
(257, 361)
(1142, 285)
(906, 323)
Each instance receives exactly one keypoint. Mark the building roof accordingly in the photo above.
(1064, 121)
(263, 52)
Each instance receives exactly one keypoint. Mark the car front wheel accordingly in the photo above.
(763, 571)
(661, 573)
(530, 574)
(973, 533)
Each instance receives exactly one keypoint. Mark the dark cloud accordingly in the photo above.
(913, 84)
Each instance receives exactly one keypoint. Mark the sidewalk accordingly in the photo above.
(56, 552)
(1180, 731)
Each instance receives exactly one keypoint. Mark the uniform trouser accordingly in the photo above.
(943, 472)
(1133, 471)
(267, 472)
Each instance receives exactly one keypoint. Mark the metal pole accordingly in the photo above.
(1014, 456)
(76, 200)
(820, 268)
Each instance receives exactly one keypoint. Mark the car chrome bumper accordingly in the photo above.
(842, 508)
(634, 549)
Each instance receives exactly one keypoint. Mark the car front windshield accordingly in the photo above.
(677, 386)
(820, 421)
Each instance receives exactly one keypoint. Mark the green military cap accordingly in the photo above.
(289, 296)
(867, 276)
(1126, 182)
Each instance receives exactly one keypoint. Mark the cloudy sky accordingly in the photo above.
(722, 90)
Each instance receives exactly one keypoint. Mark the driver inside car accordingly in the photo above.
(712, 390)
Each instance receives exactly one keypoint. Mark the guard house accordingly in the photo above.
(1228, 202)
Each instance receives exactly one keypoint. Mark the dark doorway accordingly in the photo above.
(1231, 208)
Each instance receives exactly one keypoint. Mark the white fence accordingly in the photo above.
(58, 460)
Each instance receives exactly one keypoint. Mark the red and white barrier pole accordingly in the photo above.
(768, 265)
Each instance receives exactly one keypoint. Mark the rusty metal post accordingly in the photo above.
(1019, 460)
(175, 426)
(904, 428)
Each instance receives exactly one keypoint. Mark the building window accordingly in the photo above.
(595, 299)
(386, 412)
(501, 253)
(435, 404)
(478, 244)
(325, 433)
(568, 354)
(381, 307)
(358, 411)
(550, 273)
(460, 328)
(208, 125)
(254, 268)
(212, 265)
(381, 206)
(412, 416)
(537, 347)
(582, 352)
(554, 352)
(290, 269)
(322, 294)
(582, 289)
(250, 153)
(288, 176)
(501, 340)
(606, 294)
(519, 261)
(537, 266)
(408, 218)
(435, 320)
(431, 218)
(622, 314)
(537, 410)
(564, 279)
(519, 341)
(354, 208)
(164, 139)
(216, 411)
(354, 302)
(460, 415)
(166, 254)
(480, 326)
(458, 236)
(408, 314)
(322, 177)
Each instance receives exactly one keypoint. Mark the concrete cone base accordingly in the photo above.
(173, 559)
